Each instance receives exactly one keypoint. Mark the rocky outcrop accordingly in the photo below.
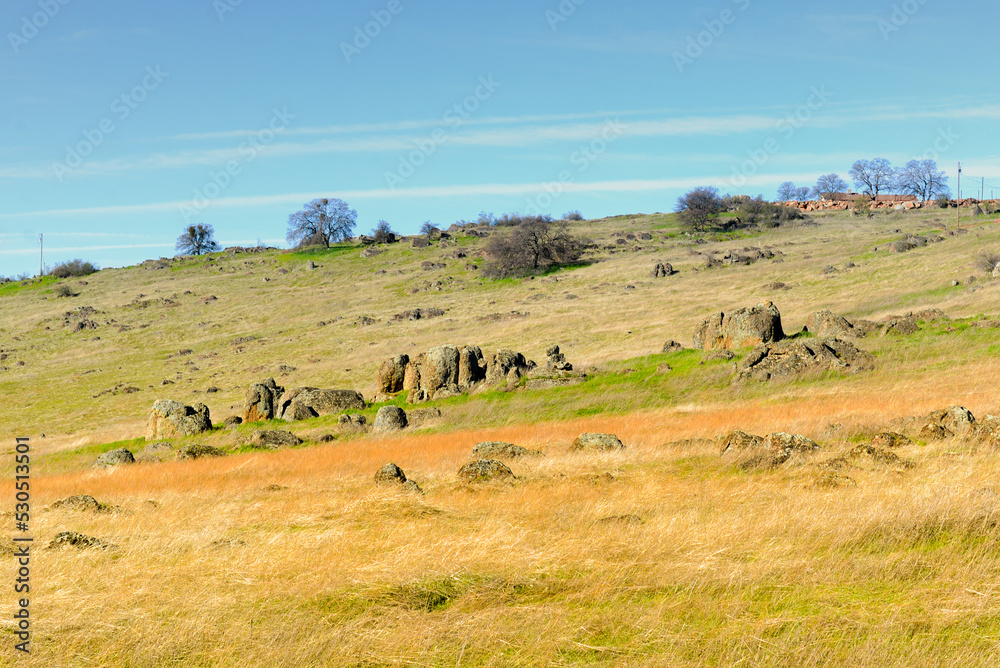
(742, 328)
(170, 419)
(390, 418)
(956, 419)
(738, 441)
(662, 270)
(793, 357)
(449, 370)
(556, 361)
(597, 442)
(506, 367)
(306, 402)
(754, 452)
(263, 401)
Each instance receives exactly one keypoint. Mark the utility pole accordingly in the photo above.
(958, 204)
(41, 256)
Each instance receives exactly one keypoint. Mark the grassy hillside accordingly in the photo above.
(664, 554)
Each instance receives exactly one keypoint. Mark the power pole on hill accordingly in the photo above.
(41, 256)
(958, 204)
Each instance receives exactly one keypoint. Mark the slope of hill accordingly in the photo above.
(664, 553)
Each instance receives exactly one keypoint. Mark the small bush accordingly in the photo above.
(942, 201)
(573, 215)
(63, 290)
(987, 261)
(73, 268)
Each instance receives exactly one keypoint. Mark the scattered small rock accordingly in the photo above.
(598, 442)
(197, 451)
(79, 541)
(502, 450)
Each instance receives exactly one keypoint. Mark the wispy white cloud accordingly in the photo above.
(493, 133)
(74, 249)
(474, 190)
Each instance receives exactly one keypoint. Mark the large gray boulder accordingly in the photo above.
(827, 324)
(306, 402)
(170, 419)
(485, 470)
(742, 328)
(273, 439)
(114, 458)
(263, 401)
(439, 372)
(390, 418)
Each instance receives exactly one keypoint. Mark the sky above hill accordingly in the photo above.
(126, 121)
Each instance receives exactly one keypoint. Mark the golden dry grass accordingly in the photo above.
(726, 567)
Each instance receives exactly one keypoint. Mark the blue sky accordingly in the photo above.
(124, 120)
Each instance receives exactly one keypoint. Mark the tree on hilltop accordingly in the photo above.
(197, 240)
(923, 179)
(874, 176)
(321, 222)
(828, 184)
(698, 207)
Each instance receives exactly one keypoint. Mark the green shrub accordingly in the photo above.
(73, 268)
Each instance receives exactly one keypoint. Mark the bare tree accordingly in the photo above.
(828, 184)
(873, 176)
(429, 228)
(698, 207)
(802, 193)
(533, 245)
(923, 179)
(197, 240)
(786, 191)
(383, 233)
(322, 222)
